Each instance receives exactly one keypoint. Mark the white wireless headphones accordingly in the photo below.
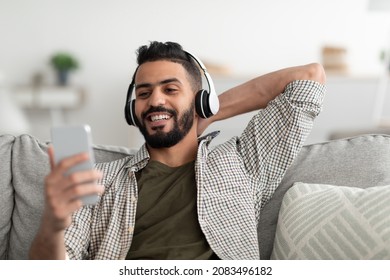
(206, 102)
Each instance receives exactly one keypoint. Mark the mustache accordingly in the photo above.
(158, 109)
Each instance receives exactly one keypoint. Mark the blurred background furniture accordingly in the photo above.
(53, 99)
(383, 91)
(380, 104)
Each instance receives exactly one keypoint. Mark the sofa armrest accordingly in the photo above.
(30, 165)
(23, 167)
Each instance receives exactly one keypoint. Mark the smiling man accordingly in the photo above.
(178, 198)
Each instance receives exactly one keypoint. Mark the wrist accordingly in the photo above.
(312, 71)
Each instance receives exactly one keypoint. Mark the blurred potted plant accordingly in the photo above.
(385, 58)
(63, 63)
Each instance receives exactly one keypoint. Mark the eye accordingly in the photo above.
(143, 94)
(170, 90)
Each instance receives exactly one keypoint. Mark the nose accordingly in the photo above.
(157, 98)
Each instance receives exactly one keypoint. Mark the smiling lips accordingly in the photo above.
(158, 120)
(159, 117)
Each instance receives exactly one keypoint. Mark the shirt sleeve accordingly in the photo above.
(77, 235)
(275, 135)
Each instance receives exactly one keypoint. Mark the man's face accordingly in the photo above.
(165, 103)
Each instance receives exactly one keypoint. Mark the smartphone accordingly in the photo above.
(70, 140)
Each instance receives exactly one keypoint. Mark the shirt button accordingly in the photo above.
(131, 230)
(133, 199)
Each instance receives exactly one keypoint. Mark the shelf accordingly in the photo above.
(48, 97)
(53, 99)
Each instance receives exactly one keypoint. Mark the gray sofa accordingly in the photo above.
(341, 203)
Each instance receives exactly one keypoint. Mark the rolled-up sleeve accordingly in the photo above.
(276, 134)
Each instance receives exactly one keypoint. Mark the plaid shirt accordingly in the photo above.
(234, 181)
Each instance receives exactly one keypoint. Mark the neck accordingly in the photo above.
(179, 154)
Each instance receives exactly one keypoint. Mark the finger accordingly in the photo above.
(71, 161)
(50, 152)
(69, 199)
(78, 191)
(57, 184)
(82, 177)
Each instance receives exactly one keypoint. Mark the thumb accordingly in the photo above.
(50, 152)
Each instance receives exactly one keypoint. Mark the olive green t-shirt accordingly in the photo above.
(167, 224)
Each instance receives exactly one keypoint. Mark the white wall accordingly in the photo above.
(250, 36)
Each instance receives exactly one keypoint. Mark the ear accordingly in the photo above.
(201, 124)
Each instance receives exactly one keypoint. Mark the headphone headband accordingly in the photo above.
(214, 104)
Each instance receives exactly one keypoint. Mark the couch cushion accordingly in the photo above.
(330, 222)
(6, 192)
(30, 165)
(361, 162)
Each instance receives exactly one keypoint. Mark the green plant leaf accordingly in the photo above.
(64, 61)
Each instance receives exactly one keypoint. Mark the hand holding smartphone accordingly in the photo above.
(71, 140)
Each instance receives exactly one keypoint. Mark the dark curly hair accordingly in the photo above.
(174, 52)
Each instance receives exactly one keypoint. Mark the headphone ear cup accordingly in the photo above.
(127, 114)
(130, 113)
(202, 105)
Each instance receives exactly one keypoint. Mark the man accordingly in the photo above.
(177, 198)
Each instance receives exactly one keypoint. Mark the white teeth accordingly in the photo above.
(159, 117)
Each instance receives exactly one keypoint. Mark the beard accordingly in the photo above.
(180, 129)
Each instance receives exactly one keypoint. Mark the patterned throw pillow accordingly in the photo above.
(332, 222)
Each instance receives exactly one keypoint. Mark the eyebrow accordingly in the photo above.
(163, 82)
